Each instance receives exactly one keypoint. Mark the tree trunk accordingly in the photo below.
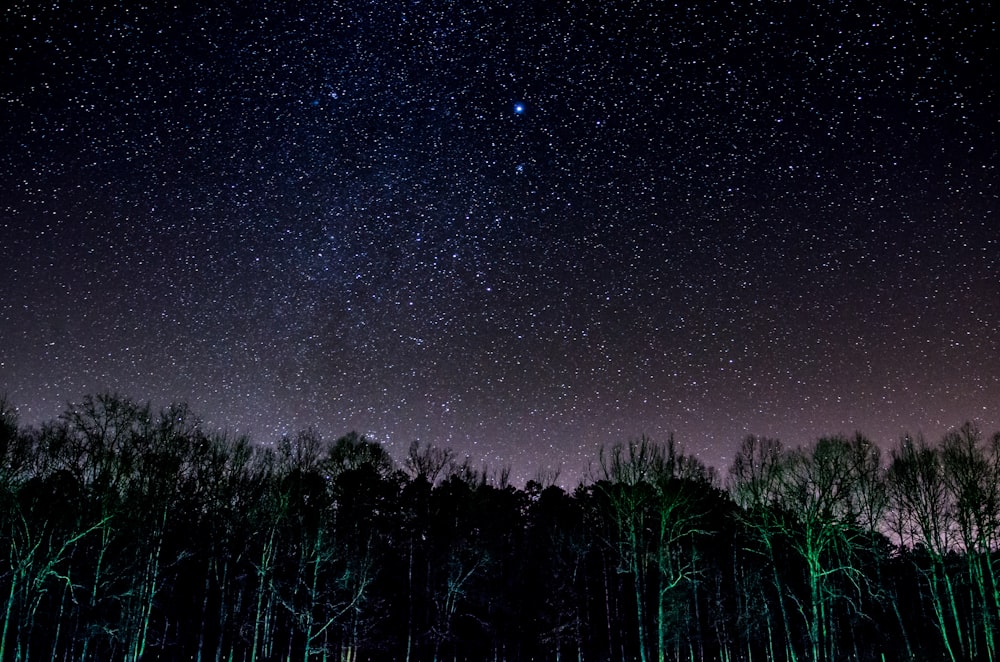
(640, 612)
(8, 612)
(263, 584)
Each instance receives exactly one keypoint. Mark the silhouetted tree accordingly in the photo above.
(922, 509)
(971, 472)
(128, 533)
(628, 471)
(755, 481)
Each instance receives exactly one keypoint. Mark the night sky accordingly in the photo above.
(520, 231)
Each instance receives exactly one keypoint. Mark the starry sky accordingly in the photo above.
(517, 229)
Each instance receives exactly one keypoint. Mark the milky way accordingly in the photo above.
(521, 231)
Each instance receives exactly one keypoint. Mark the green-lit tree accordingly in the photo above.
(17, 457)
(681, 507)
(921, 516)
(756, 478)
(459, 559)
(970, 469)
(627, 473)
(826, 488)
(365, 488)
(130, 534)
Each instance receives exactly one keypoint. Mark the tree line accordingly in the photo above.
(128, 533)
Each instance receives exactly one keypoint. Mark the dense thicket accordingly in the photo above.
(130, 534)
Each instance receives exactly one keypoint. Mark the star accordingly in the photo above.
(687, 250)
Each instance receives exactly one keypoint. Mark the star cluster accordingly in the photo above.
(520, 230)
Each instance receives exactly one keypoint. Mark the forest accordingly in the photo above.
(131, 533)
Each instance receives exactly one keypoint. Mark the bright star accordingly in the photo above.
(518, 108)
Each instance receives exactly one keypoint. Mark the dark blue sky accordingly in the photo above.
(520, 231)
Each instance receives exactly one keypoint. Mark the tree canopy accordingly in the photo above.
(128, 533)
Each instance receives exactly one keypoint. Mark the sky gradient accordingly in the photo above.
(520, 231)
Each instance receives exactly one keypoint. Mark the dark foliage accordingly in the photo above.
(129, 534)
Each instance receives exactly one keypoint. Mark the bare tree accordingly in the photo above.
(831, 488)
(756, 480)
(970, 472)
(921, 512)
(429, 461)
(680, 508)
(627, 472)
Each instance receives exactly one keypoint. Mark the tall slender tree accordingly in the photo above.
(970, 474)
(921, 515)
(755, 481)
(627, 473)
